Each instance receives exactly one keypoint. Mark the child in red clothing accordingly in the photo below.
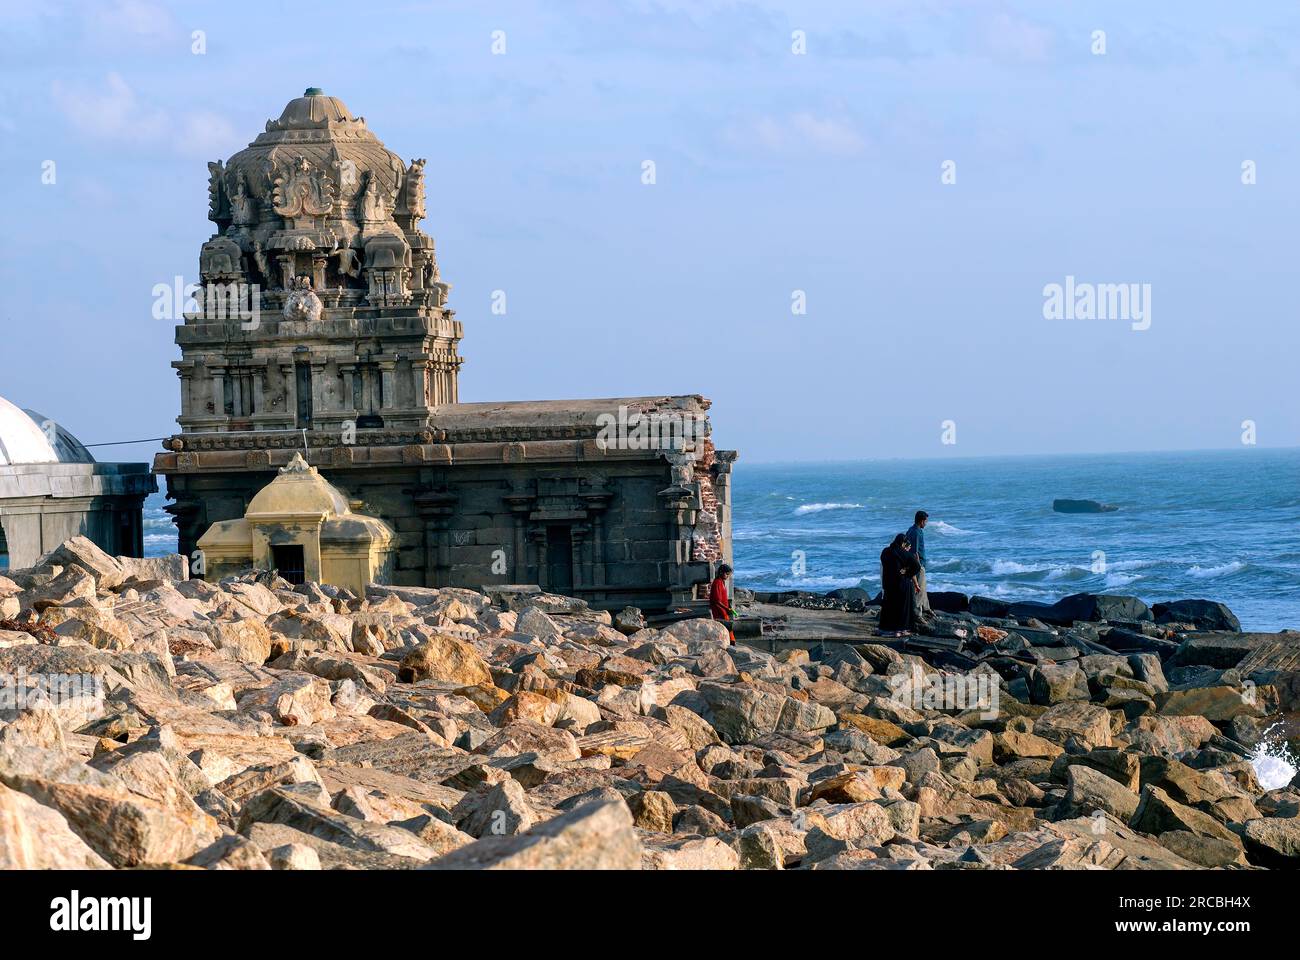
(719, 602)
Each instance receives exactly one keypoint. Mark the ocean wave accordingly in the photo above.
(1131, 564)
(1222, 570)
(823, 583)
(1114, 580)
(822, 507)
(947, 529)
(1008, 568)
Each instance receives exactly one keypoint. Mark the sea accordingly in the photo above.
(1216, 525)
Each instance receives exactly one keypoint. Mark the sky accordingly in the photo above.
(855, 212)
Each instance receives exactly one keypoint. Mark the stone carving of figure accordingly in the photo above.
(415, 189)
(302, 190)
(349, 262)
(302, 302)
(243, 211)
(216, 198)
(372, 206)
(263, 264)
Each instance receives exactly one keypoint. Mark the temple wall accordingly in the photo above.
(601, 531)
(42, 505)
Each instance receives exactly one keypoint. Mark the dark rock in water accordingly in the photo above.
(850, 593)
(1096, 606)
(946, 601)
(1202, 614)
(1082, 506)
(986, 606)
(1032, 610)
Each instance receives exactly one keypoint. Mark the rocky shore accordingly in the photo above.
(148, 719)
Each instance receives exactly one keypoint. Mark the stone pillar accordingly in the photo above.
(218, 375)
(187, 384)
(318, 271)
(520, 504)
(259, 390)
(580, 539)
(597, 502)
(436, 508)
(290, 374)
(347, 373)
(236, 376)
(722, 491)
(319, 401)
(388, 383)
(538, 536)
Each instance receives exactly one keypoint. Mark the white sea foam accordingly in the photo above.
(1130, 564)
(1115, 580)
(1006, 568)
(947, 529)
(821, 583)
(1273, 762)
(1222, 570)
(822, 507)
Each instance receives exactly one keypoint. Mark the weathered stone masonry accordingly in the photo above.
(354, 344)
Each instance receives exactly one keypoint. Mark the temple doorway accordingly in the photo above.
(289, 562)
(559, 559)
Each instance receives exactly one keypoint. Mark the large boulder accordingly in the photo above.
(1051, 683)
(82, 552)
(595, 836)
(247, 640)
(445, 658)
(1157, 813)
(1093, 607)
(1220, 649)
(948, 601)
(1273, 841)
(1202, 614)
(1090, 790)
(1085, 723)
(698, 631)
(36, 837)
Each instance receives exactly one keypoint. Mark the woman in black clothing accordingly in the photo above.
(897, 568)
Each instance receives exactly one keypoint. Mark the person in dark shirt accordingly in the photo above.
(720, 602)
(898, 568)
(916, 537)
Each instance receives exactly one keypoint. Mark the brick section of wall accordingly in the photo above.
(706, 540)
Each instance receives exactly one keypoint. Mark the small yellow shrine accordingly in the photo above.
(301, 525)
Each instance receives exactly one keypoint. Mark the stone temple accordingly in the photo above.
(324, 329)
(51, 489)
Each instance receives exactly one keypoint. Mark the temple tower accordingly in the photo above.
(342, 316)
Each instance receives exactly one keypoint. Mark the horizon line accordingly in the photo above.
(1015, 456)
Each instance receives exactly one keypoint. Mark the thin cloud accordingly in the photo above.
(112, 111)
(798, 132)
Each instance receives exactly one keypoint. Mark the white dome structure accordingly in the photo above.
(30, 437)
(51, 489)
(21, 439)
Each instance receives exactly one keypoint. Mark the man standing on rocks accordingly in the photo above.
(916, 537)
